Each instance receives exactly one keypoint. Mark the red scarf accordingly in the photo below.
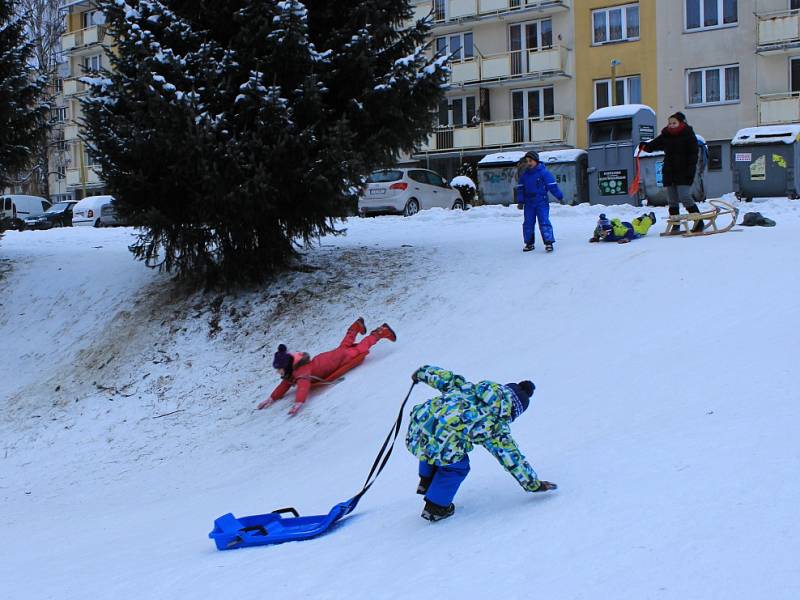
(676, 130)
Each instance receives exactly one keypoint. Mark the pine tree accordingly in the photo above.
(22, 116)
(235, 131)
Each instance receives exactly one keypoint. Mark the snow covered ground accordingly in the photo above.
(666, 410)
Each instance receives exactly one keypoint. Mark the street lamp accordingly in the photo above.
(614, 64)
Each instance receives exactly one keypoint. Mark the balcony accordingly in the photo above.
(458, 11)
(538, 65)
(778, 32)
(83, 37)
(547, 130)
(74, 177)
(71, 132)
(73, 87)
(777, 109)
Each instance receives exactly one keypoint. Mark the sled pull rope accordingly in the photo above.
(385, 451)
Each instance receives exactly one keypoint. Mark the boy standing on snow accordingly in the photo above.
(301, 370)
(532, 188)
(443, 430)
(622, 232)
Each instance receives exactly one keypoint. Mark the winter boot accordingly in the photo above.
(698, 225)
(433, 512)
(424, 484)
(548, 246)
(527, 247)
(358, 326)
(384, 332)
(652, 216)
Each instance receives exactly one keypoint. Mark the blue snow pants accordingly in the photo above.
(537, 209)
(446, 479)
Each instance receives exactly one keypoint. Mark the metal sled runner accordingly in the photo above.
(685, 223)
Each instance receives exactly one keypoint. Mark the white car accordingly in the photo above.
(406, 191)
(89, 210)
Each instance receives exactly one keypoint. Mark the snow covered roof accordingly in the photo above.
(767, 134)
(568, 155)
(502, 157)
(618, 112)
(549, 156)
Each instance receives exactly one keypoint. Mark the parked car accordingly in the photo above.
(15, 208)
(109, 216)
(406, 191)
(89, 210)
(58, 215)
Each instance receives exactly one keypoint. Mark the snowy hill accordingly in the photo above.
(666, 410)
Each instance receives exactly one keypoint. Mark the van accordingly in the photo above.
(89, 210)
(18, 207)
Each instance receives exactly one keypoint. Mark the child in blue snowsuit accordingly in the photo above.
(532, 188)
(444, 429)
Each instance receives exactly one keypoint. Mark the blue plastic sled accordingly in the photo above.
(259, 530)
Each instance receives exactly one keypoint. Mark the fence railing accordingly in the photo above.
(781, 27)
(452, 10)
(776, 109)
(545, 63)
(83, 37)
(547, 130)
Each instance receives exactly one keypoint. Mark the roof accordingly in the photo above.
(767, 134)
(618, 112)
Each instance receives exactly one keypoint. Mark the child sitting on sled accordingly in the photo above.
(301, 370)
(622, 232)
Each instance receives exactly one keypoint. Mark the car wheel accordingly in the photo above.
(412, 208)
(458, 205)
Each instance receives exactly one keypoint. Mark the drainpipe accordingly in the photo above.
(614, 64)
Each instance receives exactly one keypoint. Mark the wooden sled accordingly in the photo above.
(687, 221)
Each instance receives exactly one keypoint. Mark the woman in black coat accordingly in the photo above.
(679, 143)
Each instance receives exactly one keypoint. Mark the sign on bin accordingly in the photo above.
(613, 183)
(660, 173)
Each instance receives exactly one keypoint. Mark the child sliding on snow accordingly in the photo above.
(444, 429)
(622, 232)
(298, 369)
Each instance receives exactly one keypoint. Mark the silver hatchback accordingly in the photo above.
(406, 192)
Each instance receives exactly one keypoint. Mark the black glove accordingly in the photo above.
(414, 377)
(545, 486)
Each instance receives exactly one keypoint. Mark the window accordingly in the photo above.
(794, 74)
(92, 63)
(435, 179)
(60, 114)
(715, 85)
(611, 131)
(91, 18)
(458, 112)
(617, 24)
(706, 14)
(439, 7)
(629, 91)
(91, 159)
(459, 45)
(58, 86)
(794, 4)
(715, 157)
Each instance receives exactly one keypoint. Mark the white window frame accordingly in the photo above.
(459, 34)
(59, 114)
(720, 11)
(451, 100)
(722, 86)
(627, 89)
(625, 38)
(87, 61)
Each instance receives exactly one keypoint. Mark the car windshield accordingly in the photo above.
(384, 176)
(57, 208)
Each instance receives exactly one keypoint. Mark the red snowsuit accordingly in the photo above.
(305, 372)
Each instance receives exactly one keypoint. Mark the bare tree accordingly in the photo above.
(45, 24)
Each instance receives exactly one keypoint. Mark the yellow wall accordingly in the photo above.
(594, 62)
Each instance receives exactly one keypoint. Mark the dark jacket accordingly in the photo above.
(681, 150)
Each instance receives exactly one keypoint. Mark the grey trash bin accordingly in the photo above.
(569, 167)
(498, 175)
(765, 161)
(614, 134)
(651, 186)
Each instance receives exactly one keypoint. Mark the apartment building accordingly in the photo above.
(512, 80)
(82, 50)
